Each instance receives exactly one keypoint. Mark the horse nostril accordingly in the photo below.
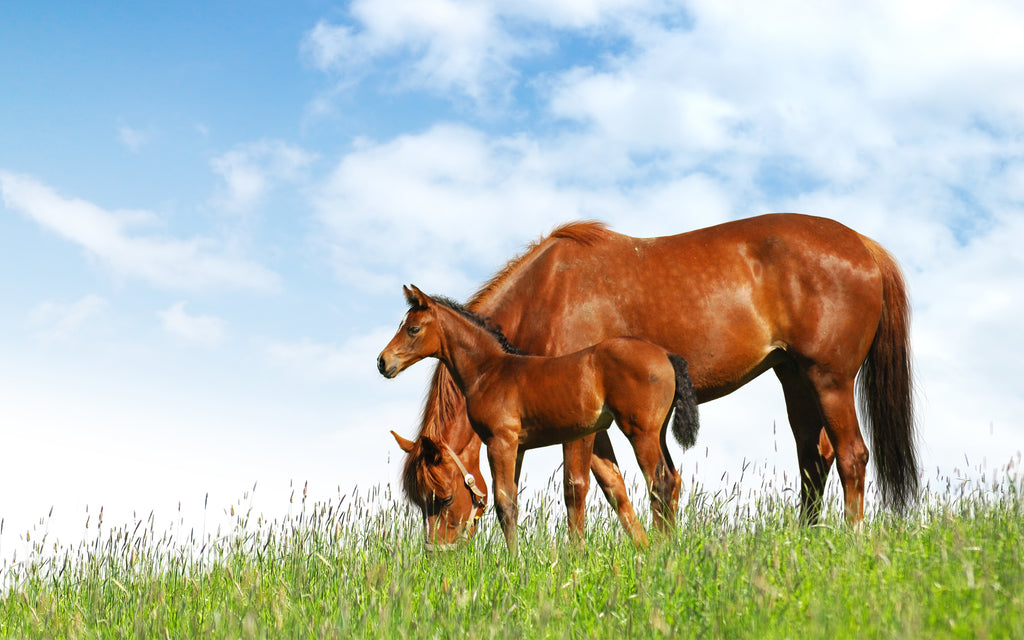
(380, 365)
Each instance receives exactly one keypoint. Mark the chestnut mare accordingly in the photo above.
(804, 296)
(517, 402)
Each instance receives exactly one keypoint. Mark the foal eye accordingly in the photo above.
(412, 330)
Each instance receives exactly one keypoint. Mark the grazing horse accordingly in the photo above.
(806, 297)
(517, 402)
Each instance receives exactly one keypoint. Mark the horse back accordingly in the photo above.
(732, 299)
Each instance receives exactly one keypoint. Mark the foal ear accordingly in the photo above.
(405, 445)
(416, 298)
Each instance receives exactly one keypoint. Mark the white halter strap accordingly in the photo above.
(479, 497)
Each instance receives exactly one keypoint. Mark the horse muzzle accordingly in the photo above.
(388, 370)
(382, 366)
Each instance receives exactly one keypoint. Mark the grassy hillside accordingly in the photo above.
(358, 569)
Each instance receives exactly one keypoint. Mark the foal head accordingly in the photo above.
(421, 334)
(418, 337)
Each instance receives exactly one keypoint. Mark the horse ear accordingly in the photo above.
(405, 445)
(416, 298)
(431, 452)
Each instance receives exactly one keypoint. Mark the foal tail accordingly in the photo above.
(686, 421)
(886, 389)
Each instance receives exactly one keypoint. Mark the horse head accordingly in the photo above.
(447, 494)
(416, 338)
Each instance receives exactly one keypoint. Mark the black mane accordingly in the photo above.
(480, 321)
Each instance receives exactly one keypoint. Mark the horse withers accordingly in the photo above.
(517, 402)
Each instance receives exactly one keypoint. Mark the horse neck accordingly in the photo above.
(467, 350)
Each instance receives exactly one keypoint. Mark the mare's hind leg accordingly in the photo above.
(609, 478)
(839, 409)
(813, 448)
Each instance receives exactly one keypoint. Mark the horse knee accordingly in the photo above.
(854, 463)
(576, 488)
(666, 483)
(507, 511)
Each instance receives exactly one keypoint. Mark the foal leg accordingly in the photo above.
(676, 480)
(813, 449)
(609, 478)
(576, 464)
(662, 479)
(503, 456)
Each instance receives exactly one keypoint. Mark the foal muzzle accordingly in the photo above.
(385, 370)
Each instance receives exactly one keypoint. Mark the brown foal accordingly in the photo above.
(517, 402)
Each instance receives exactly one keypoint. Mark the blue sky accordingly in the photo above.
(207, 211)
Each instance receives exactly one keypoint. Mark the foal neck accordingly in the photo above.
(467, 349)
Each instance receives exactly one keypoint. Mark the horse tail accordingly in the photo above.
(686, 421)
(886, 389)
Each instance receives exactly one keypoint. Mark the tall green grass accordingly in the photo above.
(738, 566)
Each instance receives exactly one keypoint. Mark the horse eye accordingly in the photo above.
(413, 330)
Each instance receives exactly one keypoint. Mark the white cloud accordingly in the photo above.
(195, 263)
(329, 46)
(470, 48)
(60, 321)
(424, 208)
(251, 170)
(804, 80)
(194, 328)
(451, 46)
(133, 139)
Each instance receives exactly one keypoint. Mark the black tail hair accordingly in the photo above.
(686, 422)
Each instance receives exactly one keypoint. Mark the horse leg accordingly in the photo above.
(675, 480)
(667, 480)
(813, 449)
(839, 408)
(576, 464)
(609, 478)
(662, 479)
(504, 458)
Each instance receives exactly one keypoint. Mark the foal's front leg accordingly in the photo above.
(503, 456)
(577, 458)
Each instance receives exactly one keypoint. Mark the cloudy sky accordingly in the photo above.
(207, 211)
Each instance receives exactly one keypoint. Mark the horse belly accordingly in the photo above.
(547, 432)
(566, 408)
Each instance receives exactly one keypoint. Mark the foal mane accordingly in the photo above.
(480, 321)
(443, 398)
